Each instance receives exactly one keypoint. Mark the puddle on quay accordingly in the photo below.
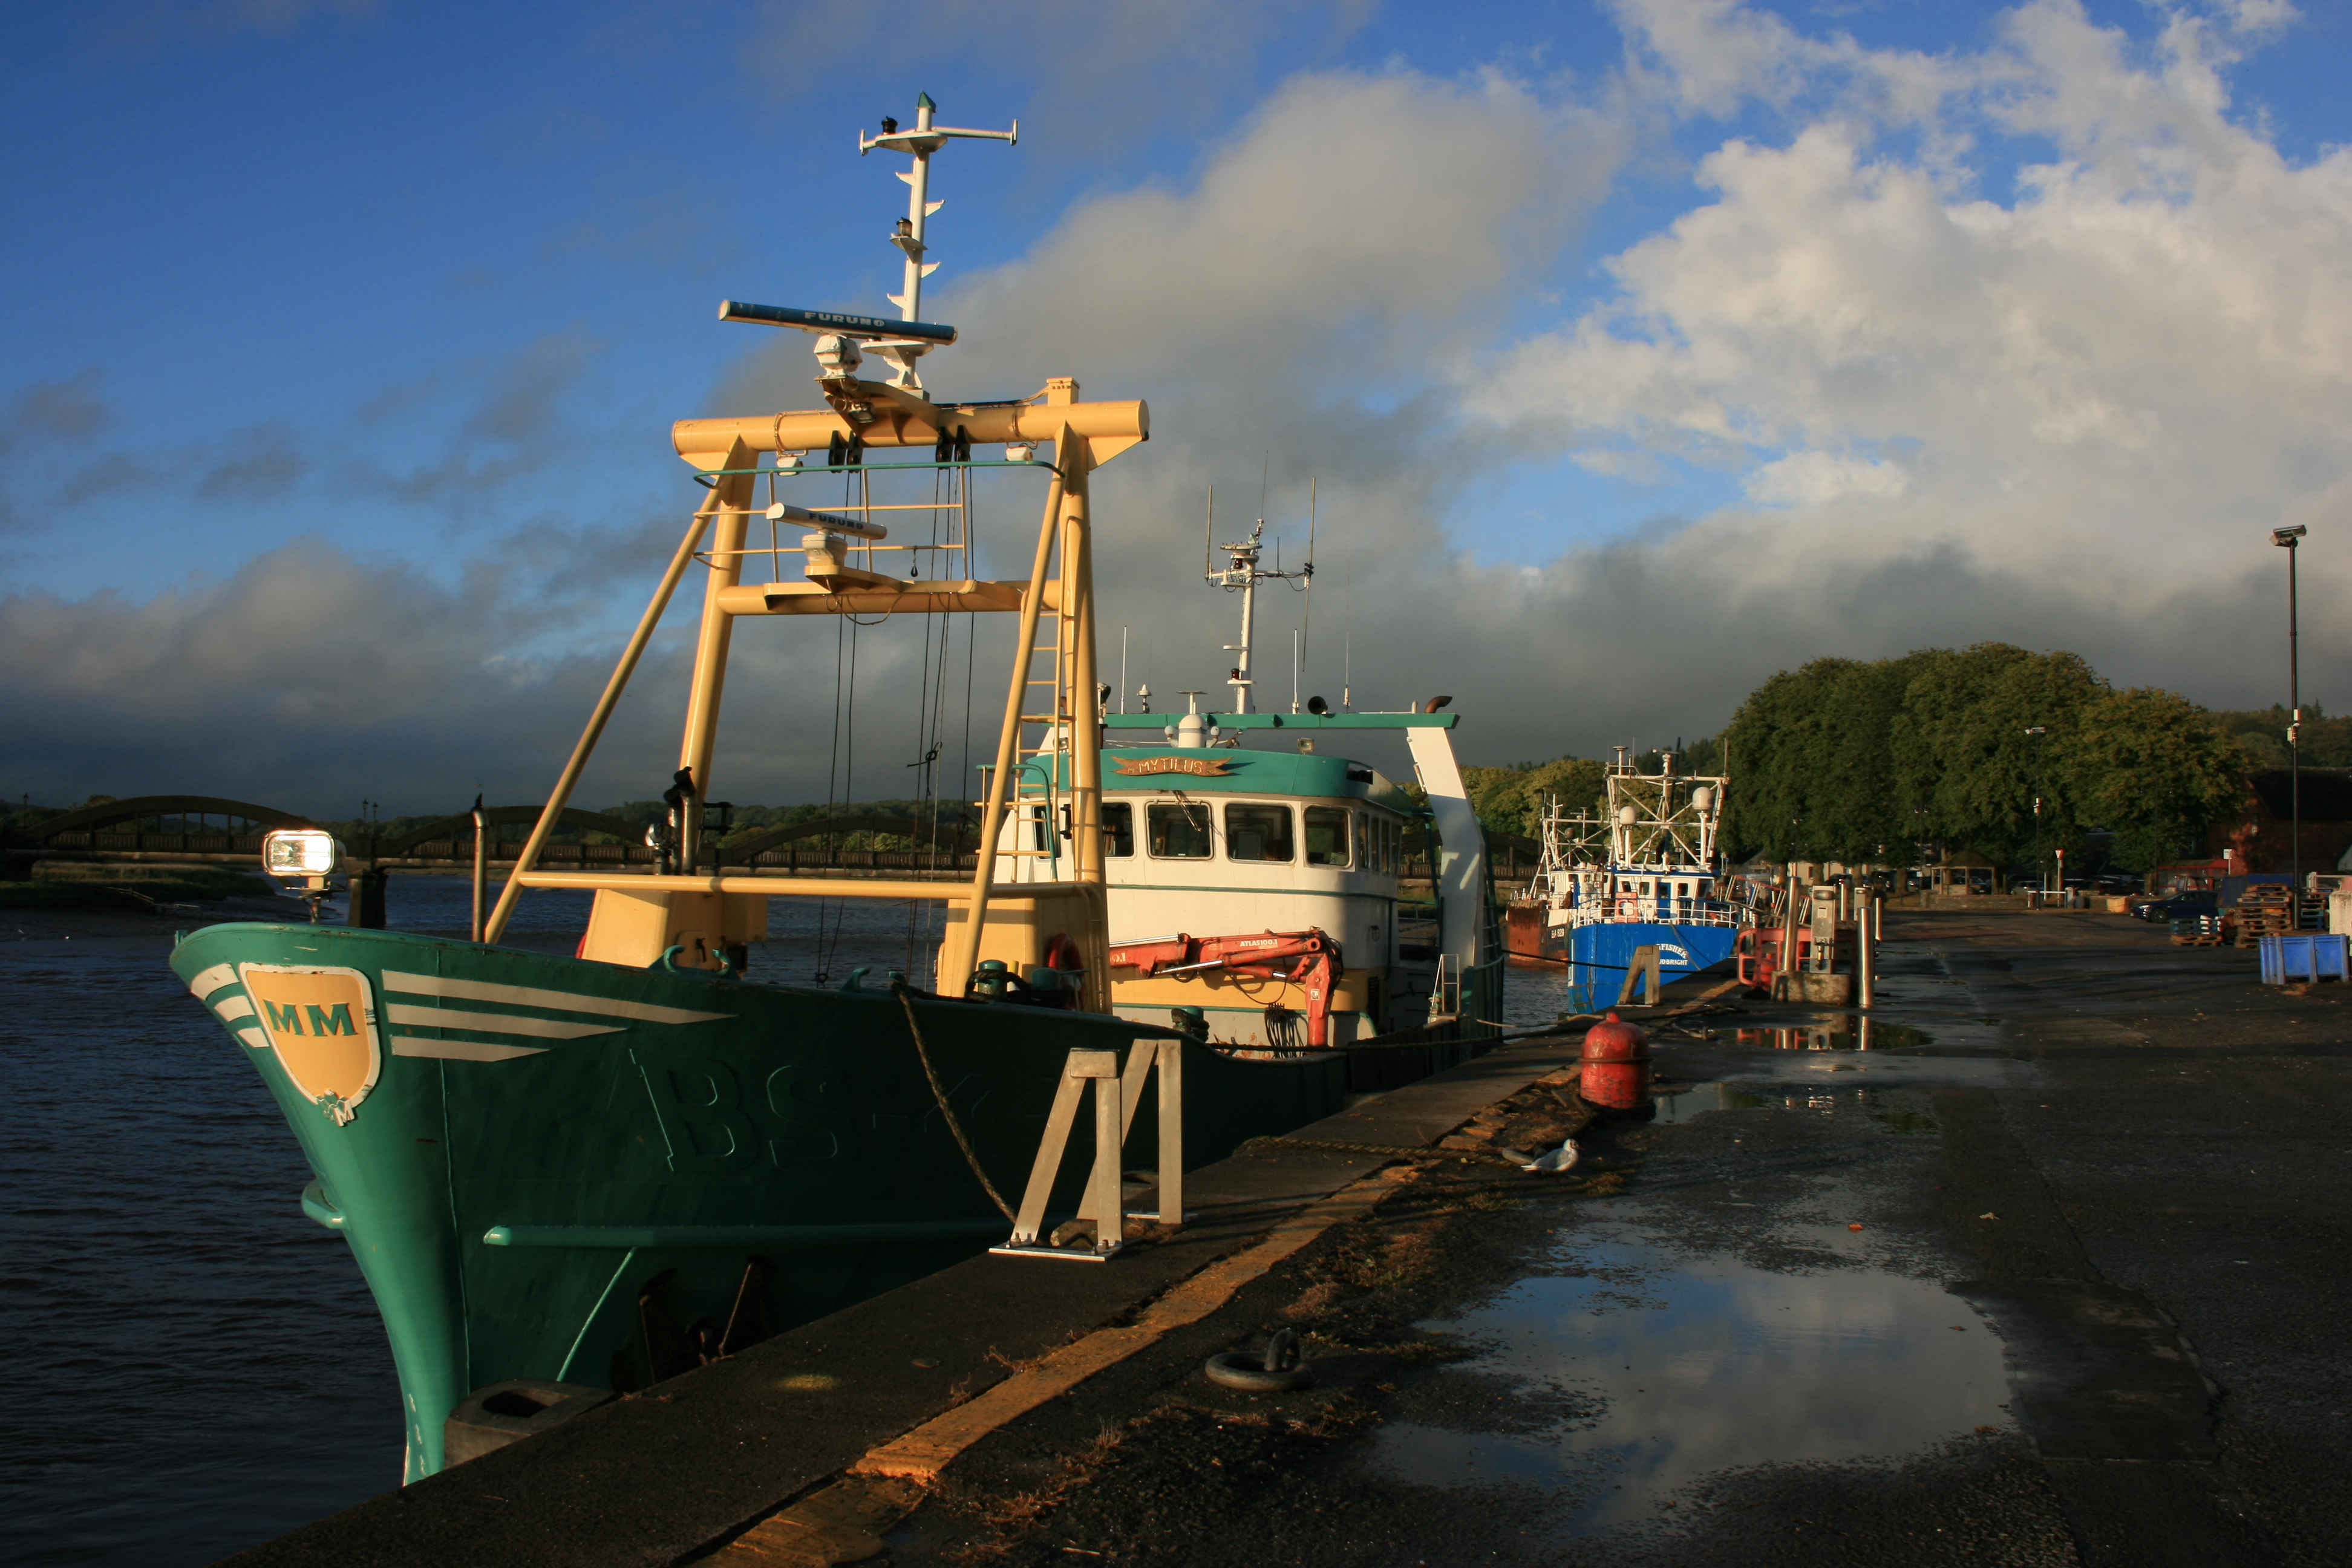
(1680, 1367)
(1828, 1032)
(1685, 1104)
(1688, 1104)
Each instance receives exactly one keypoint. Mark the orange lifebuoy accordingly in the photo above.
(1060, 952)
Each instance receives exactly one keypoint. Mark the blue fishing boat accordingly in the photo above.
(1644, 873)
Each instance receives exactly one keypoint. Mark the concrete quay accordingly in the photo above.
(2049, 1274)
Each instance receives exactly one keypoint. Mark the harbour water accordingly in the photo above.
(193, 1366)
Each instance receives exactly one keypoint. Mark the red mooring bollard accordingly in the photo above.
(1616, 1075)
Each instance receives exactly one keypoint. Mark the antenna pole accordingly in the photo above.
(1122, 669)
(1307, 608)
(918, 143)
(918, 211)
(1240, 675)
(1207, 536)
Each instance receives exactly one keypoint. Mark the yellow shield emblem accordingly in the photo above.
(321, 1024)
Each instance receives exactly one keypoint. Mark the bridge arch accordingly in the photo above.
(461, 827)
(137, 808)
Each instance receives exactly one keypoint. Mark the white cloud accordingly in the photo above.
(2031, 339)
(1818, 478)
(2118, 375)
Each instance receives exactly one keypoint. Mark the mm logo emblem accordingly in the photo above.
(288, 1020)
(321, 1025)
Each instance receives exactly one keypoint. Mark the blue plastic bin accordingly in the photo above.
(2317, 955)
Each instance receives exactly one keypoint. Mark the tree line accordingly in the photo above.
(1955, 749)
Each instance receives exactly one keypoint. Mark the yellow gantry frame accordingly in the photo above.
(1060, 578)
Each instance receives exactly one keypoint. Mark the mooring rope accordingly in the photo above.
(930, 1075)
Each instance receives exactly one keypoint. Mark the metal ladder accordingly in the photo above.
(1047, 754)
(1445, 991)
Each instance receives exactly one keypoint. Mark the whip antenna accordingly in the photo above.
(1307, 608)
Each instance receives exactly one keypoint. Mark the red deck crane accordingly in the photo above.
(1310, 959)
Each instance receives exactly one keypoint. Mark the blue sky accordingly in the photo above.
(402, 299)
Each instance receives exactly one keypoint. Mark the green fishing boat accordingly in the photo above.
(608, 1168)
(575, 1171)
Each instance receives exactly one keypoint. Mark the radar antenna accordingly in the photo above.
(900, 343)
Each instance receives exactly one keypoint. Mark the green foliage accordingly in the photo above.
(2153, 767)
(1808, 758)
(1511, 800)
(1965, 762)
(1851, 760)
(2325, 742)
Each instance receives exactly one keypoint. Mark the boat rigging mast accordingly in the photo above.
(1242, 574)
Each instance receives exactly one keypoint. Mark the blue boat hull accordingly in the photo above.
(1599, 955)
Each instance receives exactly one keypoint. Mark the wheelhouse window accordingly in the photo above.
(1258, 833)
(1179, 830)
(1327, 835)
(1118, 829)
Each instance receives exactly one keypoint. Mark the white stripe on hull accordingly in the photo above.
(494, 1023)
(533, 997)
(232, 1008)
(461, 1050)
(207, 981)
(253, 1037)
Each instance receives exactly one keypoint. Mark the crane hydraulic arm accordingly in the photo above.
(1309, 959)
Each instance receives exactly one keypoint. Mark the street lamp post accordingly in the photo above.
(2034, 733)
(2287, 538)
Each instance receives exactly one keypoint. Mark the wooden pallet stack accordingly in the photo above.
(2200, 931)
(2266, 909)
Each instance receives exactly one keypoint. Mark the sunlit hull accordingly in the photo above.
(550, 1168)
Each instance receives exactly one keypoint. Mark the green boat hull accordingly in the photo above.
(554, 1169)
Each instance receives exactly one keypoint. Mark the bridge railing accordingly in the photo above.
(459, 852)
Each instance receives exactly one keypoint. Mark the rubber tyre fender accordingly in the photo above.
(1278, 1371)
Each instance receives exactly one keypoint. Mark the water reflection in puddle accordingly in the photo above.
(1833, 1032)
(1890, 1111)
(1701, 1097)
(1703, 1364)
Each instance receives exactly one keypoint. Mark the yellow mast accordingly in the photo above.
(651, 915)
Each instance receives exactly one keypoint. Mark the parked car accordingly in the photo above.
(2178, 907)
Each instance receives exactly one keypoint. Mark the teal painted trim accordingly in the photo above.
(1289, 720)
(608, 1238)
(1314, 774)
(563, 1372)
(315, 1204)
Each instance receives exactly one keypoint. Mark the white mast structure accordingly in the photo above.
(922, 141)
(1651, 830)
(1244, 573)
